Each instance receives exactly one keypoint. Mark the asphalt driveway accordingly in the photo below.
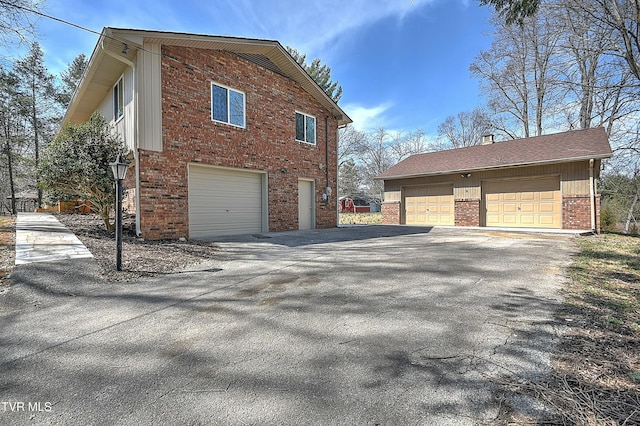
(369, 325)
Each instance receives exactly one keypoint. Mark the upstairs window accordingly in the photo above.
(118, 100)
(227, 105)
(305, 128)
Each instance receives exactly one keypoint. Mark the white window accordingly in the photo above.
(227, 105)
(305, 128)
(118, 100)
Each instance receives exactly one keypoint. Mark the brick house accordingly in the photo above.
(228, 135)
(540, 182)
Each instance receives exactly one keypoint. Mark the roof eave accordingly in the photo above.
(502, 166)
(270, 48)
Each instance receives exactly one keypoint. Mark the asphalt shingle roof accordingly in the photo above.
(563, 147)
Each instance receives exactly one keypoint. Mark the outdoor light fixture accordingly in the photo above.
(125, 50)
(119, 169)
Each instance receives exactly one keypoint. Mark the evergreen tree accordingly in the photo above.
(11, 136)
(513, 10)
(38, 100)
(319, 72)
(70, 79)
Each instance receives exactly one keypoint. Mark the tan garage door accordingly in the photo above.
(224, 202)
(429, 205)
(523, 203)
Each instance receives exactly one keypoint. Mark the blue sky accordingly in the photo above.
(402, 64)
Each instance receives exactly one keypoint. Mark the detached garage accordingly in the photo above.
(545, 182)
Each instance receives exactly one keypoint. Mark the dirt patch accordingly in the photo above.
(140, 258)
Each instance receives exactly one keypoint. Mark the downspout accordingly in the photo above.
(136, 157)
(326, 154)
(592, 196)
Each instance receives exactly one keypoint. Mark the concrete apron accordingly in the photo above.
(40, 237)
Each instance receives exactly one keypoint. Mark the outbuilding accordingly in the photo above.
(547, 181)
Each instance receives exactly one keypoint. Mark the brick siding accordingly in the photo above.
(266, 144)
(576, 212)
(467, 212)
(391, 213)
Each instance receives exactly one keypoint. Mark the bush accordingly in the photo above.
(608, 219)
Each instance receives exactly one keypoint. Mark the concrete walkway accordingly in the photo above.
(40, 237)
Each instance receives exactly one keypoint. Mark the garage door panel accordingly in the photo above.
(224, 202)
(509, 218)
(429, 205)
(523, 202)
(547, 220)
(527, 219)
(547, 208)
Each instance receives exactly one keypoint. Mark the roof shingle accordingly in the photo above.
(563, 147)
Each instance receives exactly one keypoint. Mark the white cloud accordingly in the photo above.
(367, 118)
(311, 26)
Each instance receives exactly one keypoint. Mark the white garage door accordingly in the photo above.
(224, 202)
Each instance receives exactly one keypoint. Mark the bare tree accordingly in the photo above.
(17, 20)
(415, 142)
(465, 128)
(350, 140)
(350, 178)
(364, 155)
(515, 74)
(375, 157)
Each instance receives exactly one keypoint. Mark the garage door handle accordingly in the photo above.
(519, 208)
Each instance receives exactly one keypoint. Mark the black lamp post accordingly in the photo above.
(119, 169)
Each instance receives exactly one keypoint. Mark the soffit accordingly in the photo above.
(104, 67)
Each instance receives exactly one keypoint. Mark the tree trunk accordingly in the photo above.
(104, 214)
(34, 119)
(7, 149)
(630, 215)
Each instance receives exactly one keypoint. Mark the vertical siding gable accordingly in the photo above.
(150, 97)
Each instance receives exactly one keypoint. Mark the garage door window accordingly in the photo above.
(227, 105)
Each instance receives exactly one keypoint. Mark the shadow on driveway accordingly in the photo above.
(394, 325)
(322, 236)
